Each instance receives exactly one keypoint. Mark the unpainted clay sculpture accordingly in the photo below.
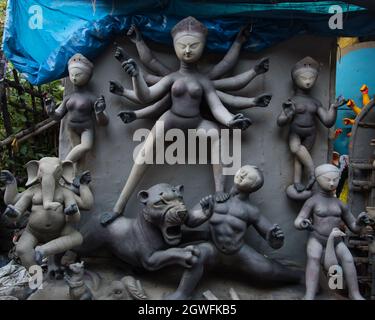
(187, 89)
(229, 216)
(80, 108)
(300, 112)
(321, 214)
(54, 210)
(149, 241)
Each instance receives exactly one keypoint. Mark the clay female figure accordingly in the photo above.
(300, 113)
(321, 214)
(229, 216)
(80, 108)
(188, 88)
(54, 210)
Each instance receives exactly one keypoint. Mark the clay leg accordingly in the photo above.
(87, 143)
(304, 157)
(191, 277)
(261, 268)
(69, 239)
(314, 255)
(350, 272)
(25, 249)
(298, 175)
(219, 178)
(137, 171)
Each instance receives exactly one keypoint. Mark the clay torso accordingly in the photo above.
(327, 214)
(228, 225)
(46, 221)
(80, 108)
(303, 122)
(186, 96)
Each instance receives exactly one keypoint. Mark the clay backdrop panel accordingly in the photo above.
(264, 144)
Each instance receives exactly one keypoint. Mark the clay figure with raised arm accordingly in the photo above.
(229, 216)
(54, 209)
(187, 89)
(321, 215)
(81, 108)
(300, 113)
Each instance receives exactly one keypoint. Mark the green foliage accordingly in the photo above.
(25, 112)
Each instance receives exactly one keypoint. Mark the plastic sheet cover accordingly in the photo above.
(41, 35)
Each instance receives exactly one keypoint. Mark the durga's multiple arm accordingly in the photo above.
(52, 112)
(231, 57)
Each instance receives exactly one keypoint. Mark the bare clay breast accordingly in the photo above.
(80, 111)
(186, 97)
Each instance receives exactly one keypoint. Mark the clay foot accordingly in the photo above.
(310, 183)
(356, 296)
(108, 217)
(176, 296)
(299, 187)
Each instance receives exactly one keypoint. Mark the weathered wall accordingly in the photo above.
(264, 144)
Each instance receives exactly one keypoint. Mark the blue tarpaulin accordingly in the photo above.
(41, 35)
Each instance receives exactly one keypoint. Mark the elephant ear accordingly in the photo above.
(67, 171)
(32, 168)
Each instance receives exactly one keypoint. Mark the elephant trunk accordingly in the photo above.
(48, 191)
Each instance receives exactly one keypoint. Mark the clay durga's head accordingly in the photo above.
(328, 177)
(80, 69)
(189, 39)
(305, 73)
(248, 179)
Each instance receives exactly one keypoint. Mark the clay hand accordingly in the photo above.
(262, 66)
(11, 212)
(263, 100)
(289, 108)
(244, 33)
(121, 55)
(7, 177)
(306, 224)
(134, 34)
(207, 204)
(239, 122)
(100, 105)
(131, 67)
(85, 177)
(127, 116)
(116, 88)
(276, 237)
(189, 256)
(340, 101)
(363, 219)
(71, 210)
(49, 105)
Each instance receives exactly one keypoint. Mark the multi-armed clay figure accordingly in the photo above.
(229, 216)
(188, 89)
(300, 112)
(54, 209)
(81, 108)
(321, 214)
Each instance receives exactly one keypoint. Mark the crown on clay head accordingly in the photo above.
(189, 25)
(81, 62)
(307, 62)
(325, 168)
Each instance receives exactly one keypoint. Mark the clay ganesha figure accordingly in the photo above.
(54, 208)
(80, 108)
(300, 112)
(229, 217)
(322, 214)
(178, 96)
